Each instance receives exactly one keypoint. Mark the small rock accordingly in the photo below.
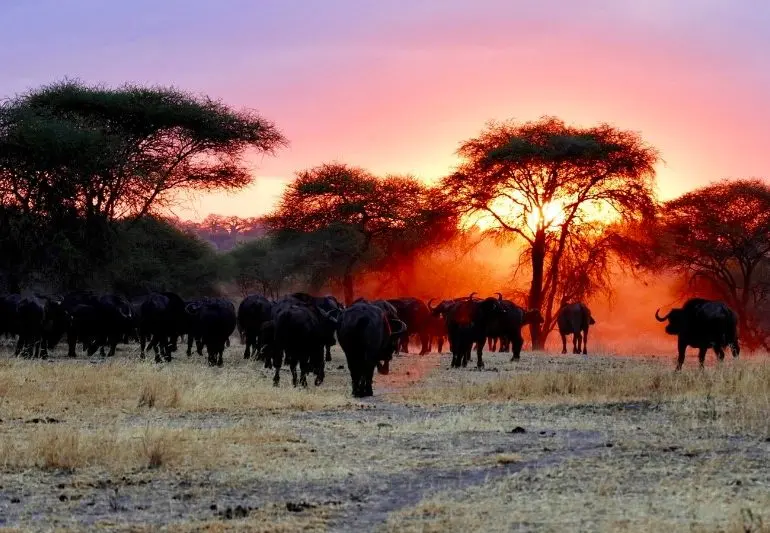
(519, 429)
(63, 498)
(213, 507)
(609, 445)
(15, 500)
(341, 367)
(60, 486)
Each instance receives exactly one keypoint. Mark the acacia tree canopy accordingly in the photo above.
(720, 234)
(541, 181)
(117, 153)
(392, 215)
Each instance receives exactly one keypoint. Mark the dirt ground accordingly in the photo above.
(549, 443)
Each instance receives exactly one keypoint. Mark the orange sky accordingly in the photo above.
(410, 112)
(396, 86)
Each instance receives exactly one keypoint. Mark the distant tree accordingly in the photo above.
(110, 154)
(385, 217)
(226, 231)
(542, 182)
(718, 236)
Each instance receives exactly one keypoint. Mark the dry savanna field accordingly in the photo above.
(549, 443)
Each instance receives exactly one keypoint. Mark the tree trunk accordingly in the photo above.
(536, 289)
(347, 284)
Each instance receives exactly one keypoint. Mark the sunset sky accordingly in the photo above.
(394, 86)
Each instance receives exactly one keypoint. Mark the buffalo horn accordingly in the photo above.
(499, 296)
(327, 315)
(660, 318)
(429, 307)
(471, 296)
(401, 325)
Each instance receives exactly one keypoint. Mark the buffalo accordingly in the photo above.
(253, 311)
(574, 319)
(302, 329)
(214, 320)
(415, 314)
(98, 321)
(468, 321)
(368, 336)
(163, 320)
(41, 322)
(507, 328)
(328, 304)
(702, 324)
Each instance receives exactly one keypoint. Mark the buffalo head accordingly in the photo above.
(533, 316)
(676, 320)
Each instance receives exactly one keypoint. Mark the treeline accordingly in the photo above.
(87, 173)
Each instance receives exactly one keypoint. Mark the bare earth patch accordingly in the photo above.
(549, 443)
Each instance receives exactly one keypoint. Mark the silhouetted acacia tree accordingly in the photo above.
(542, 182)
(117, 153)
(720, 235)
(75, 159)
(383, 218)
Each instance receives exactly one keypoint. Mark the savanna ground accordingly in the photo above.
(550, 443)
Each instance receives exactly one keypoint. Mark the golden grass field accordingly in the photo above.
(549, 443)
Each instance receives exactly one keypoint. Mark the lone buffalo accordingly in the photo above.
(702, 324)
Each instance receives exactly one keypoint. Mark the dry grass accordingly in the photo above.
(745, 380)
(27, 388)
(596, 495)
(121, 449)
(230, 431)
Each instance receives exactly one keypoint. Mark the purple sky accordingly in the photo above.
(395, 85)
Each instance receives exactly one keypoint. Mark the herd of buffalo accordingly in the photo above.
(300, 328)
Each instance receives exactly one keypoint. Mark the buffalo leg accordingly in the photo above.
(142, 344)
(277, 362)
(72, 342)
(479, 357)
(355, 375)
(250, 341)
(369, 379)
(563, 343)
(328, 352)
(720, 351)
(682, 348)
(517, 343)
(585, 342)
(190, 341)
(19, 346)
(113, 346)
(304, 370)
(425, 341)
(220, 357)
(199, 346)
(440, 344)
(320, 373)
(293, 367)
(702, 355)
